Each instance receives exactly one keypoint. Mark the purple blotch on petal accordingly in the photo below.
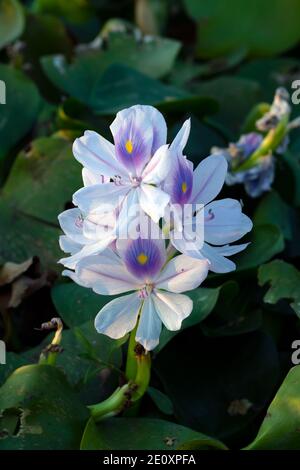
(182, 182)
(143, 258)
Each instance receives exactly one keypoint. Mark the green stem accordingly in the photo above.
(131, 363)
(49, 354)
(138, 372)
(269, 144)
(143, 374)
(113, 404)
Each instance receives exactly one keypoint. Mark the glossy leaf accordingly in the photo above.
(266, 241)
(161, 400)
(153, 57)
(19, 113)
(284, 280)
(47, 412)
(227, 26)
(140, 434)
(280, 428)
(218, 386)
(11, 20)
(76, 305)
(204, 300)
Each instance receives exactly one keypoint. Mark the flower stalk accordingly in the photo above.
(138, 373)
(271, 141)
(49, 354)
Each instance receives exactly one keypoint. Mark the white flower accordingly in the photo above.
(140, 266)
(223, 219)
(137, 164)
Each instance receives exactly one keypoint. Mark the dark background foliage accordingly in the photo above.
(70, 66)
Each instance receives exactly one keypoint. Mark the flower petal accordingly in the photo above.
(68, 245)
(71, 222)
(158, 124)
(149, 327)
(158, 167)
(172, 308)
(179, 183)
(97, 226)
(228, 250)
(133, 137)
(218, 262)
(86, 250)
(100, 197)
(143, 258)
(183, 273)
(153, 201)
(97, 154)
(209, 178)
(92, 177)
(181, 138)
(119, 316)
(155, 119)
(106, 274)
(225, 222)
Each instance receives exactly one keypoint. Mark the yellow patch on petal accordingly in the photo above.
(184, 187)
(129, 146)
(142, 258)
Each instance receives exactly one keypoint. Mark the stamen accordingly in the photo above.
(129, 146)
(143, 294)
(142, 258)
(184, 187)
(210, 216)
(79, 221)
(136, 181)
(117, 180)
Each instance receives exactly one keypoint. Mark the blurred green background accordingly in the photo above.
(69, 66)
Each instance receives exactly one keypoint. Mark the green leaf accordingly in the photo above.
(235, 95)
(153, 58)
(105, 92)
(139, 434)
(271, 73)
(76, 304)
(273, 210)
(226, 26)
(206, 378)
(85, 352)
(285, 283)
(43, 35)
(235, 312)
(265, 242)
(280, 428)
(292, 160)
(19, 113)
(79, 15)
(204, 300)
(161, 400)
(48, 172)
(47, 413)
(11, 20)
(77, 11)
(203, 444)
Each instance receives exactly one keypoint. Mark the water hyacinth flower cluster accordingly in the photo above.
(251, 159)
(130, 232)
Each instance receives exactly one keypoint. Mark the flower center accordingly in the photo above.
(184, 187)
(146, 291)
(129, 147)
(79, 221)
(136, 181)
(142, 258)
(210, 216)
